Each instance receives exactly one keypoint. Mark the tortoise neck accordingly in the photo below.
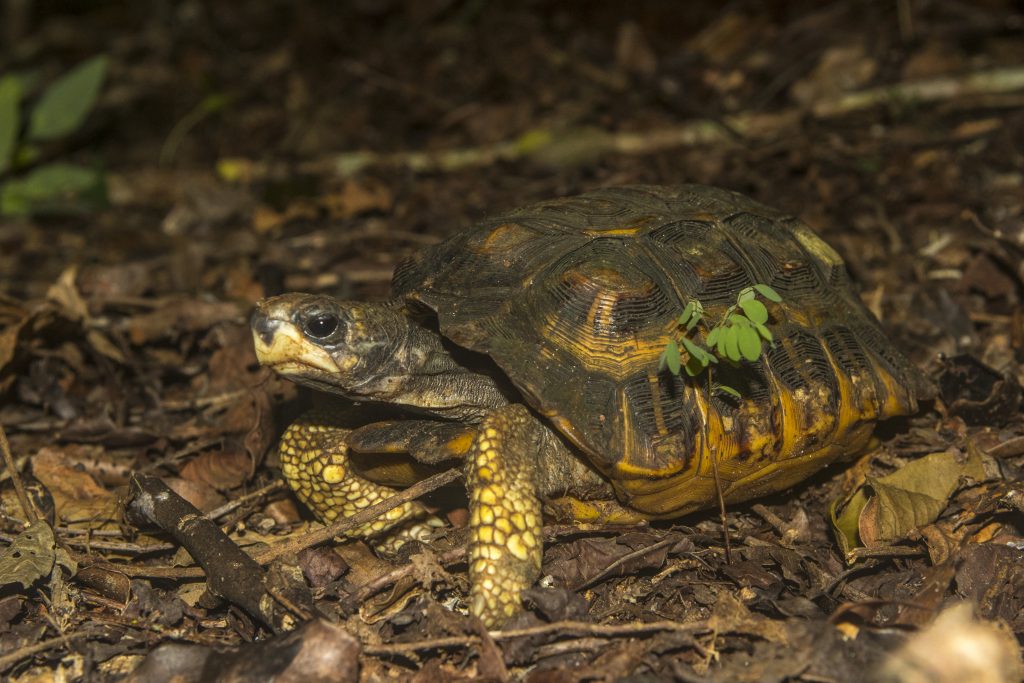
(416, 367)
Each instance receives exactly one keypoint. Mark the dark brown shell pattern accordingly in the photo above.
(576, 298)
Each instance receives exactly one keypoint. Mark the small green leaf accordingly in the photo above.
(693, 321)
(746, 294)
(712, 337)
(768, 293)
(720, 343)
(671, 357)
(749, 343)
(66, 103)
(729, 390)
(732, 346)
(694, 350)
(739, 319)
(10, 118)
(764, 332)
(687, 313)
(755, 310)
(694, 367)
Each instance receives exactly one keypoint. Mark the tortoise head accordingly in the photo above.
(368, 352)
(360, 350)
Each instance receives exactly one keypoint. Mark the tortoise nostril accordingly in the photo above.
(264, 326)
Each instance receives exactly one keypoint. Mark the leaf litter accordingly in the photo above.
(123, 340)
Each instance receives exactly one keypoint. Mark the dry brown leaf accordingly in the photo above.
(176, 315)
(79, 500)
(197, 492)
(886, 509)
(221, 470)
(356, 197)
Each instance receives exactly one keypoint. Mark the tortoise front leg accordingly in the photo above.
(505, 512)
(315, 462)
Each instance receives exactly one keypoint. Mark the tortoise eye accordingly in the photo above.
(321, 326)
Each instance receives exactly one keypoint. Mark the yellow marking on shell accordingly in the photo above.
(529, 539)
(504, 524)
(485, 534)
(491, 433)
(518, 520)
(615, 232)
(659, 415)
(814, 244)
(484, 446)
(503, 238)
(600, 313)
(485, 473)
(498, 536)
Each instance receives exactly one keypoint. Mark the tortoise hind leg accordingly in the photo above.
(505, 512)
(315, 462)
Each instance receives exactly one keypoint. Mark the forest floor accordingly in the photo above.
(252, 148)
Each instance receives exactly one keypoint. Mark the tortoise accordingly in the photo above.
(528, 346)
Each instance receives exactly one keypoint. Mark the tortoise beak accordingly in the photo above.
(282, 346)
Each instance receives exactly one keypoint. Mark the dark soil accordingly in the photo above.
(252, 148)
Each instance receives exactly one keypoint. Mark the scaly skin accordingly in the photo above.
(315, 463)
(505, 513)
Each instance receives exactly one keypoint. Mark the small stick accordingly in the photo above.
(294, 545)
(559, 628)
(27, 508)
(231, 573)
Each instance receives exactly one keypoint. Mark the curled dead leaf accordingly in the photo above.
(886, 509)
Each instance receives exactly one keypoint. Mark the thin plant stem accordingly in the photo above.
(713, 454)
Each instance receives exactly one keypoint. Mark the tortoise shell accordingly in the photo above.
(575, 300)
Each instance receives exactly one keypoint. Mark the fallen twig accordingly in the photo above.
(21, 653)
(230, 573)
(574, 146)
(558, 628)
(27, 508)
(294, 545)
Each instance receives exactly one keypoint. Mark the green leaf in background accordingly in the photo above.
(10, 119)
(54, 188)
(66, 103)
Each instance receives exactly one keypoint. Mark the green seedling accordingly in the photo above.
(740, 334)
